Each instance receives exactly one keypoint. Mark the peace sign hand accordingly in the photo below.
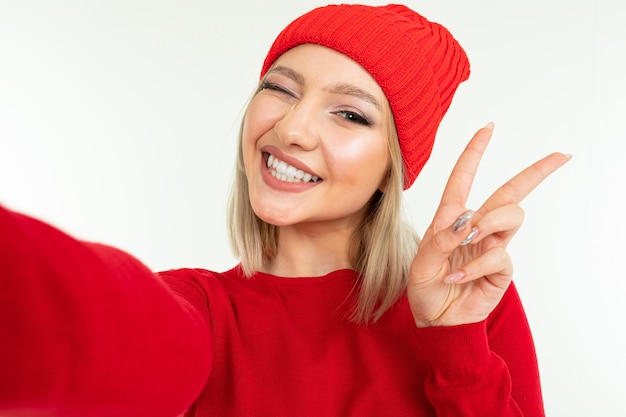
(462, 269)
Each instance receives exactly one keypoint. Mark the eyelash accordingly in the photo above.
(269, 86)
(346, 114)
(354, 117)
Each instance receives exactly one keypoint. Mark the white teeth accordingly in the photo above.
(285, 172)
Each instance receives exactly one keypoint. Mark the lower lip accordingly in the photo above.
(292, 187)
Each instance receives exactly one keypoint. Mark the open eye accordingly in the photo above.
(354, 117)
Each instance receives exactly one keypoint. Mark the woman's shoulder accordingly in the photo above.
(202, 274)
(186, 280)
(201, 287)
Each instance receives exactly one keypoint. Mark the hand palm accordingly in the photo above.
(452, 284)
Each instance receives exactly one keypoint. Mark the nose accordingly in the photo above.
(297, 127)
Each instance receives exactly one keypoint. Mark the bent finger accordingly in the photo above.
(444, 242)
(500, 223)
(495, 264)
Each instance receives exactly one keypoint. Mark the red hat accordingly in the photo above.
(417, 63)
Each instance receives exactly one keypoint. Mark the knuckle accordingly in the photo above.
(446, 240)
(440, 242)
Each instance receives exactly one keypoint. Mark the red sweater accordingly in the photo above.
(87, 330)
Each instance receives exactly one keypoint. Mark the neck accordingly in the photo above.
(310, 250)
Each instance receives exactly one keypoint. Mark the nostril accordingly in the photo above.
(296, 128)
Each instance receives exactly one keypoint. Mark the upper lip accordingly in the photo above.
(277, 153)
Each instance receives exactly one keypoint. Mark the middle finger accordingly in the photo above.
(522, 184)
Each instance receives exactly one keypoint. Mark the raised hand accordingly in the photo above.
(462, 269)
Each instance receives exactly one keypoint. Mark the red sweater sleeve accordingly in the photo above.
(86, 330)
(484, 369)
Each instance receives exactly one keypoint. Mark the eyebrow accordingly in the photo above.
(339, 88)
(352, 90)
(289, 73)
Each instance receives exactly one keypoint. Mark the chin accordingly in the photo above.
(270, 220)
(272, 216)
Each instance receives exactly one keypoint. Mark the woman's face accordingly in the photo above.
(314, 140)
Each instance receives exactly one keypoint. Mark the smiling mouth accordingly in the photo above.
(284, 172)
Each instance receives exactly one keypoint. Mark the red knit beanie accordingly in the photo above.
(417, 63)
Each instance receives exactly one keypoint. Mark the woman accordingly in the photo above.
(333, 310)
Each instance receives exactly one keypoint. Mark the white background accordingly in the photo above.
(118, 122)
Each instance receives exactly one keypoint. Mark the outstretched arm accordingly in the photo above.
(86, 329)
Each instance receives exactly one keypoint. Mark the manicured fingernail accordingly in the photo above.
(462, 221)
(456, 277)
(490, 125)
(472, 234)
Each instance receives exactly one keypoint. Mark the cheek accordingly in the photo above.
(250, 124)
(255, 125)
(365, 158)
(261, 115)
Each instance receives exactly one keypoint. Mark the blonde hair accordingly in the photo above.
(381, 247)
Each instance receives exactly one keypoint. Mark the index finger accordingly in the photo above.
(522, 184)
(462, 176)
